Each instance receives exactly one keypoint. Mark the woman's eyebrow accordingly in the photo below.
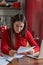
(19, 26)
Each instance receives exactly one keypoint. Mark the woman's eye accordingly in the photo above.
(16, 25)
(21, 26)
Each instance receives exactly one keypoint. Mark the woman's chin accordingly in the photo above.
(17, 32)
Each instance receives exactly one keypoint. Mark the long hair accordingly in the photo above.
(18, 17)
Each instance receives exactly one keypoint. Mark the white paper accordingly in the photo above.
(20, 50)
(6, 57)
(3, 62)
(25, 49)
(18, 56)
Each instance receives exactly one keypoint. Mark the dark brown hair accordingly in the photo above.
(19, 17)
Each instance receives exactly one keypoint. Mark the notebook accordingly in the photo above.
(40, 55)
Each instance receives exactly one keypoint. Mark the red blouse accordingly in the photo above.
(20, 41)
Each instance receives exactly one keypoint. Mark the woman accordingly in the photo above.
(17, 36)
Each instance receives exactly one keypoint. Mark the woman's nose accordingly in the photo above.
(19, 28)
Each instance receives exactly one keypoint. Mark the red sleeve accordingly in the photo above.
(32, 41)
(4, 44)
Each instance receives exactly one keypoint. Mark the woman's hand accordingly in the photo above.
(26, 53)
(31, 52)
(12, 52)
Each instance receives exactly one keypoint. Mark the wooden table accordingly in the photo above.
(27, 61)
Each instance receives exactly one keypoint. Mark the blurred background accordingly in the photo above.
(33, 11)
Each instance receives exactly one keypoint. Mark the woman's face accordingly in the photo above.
(18, 26)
